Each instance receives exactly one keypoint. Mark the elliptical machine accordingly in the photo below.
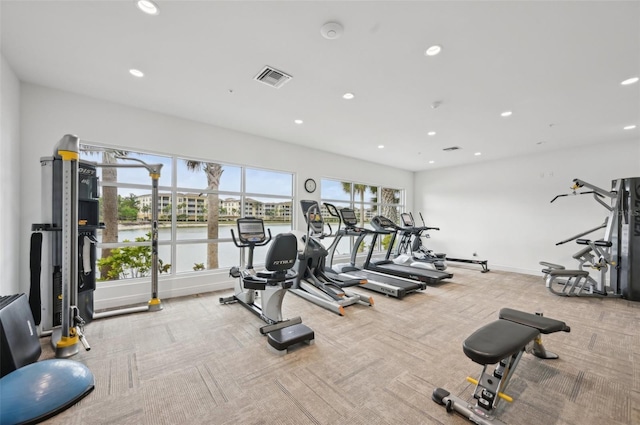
(271, 284)
(315, 282)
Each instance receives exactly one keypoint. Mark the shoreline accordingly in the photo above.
(163, 225)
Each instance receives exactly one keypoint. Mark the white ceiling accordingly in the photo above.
(557, 65)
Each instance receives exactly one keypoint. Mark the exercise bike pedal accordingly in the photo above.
(234, 272)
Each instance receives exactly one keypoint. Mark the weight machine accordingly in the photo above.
(613, 255)
(62, 299)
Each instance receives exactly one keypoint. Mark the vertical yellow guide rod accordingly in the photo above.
(154, 172)
(155, 303)
(67, 149)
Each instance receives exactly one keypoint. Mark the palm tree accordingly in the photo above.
(389, 198)
(213, 172)
(109, 202)
(167, 211)
(359, 189)
(181, 209)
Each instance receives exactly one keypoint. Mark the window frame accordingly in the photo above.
(175, 192)
(354, 203)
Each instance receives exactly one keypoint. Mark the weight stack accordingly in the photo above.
(628, 239)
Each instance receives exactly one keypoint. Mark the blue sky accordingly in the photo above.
(258, 181)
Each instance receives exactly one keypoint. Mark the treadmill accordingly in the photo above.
(383, 225)
(393, 286)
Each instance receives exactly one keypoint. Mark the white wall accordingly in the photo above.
(12, 281)
(501, 209)
(48, 114)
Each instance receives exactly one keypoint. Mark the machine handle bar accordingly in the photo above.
(582, 234)
(596, 243)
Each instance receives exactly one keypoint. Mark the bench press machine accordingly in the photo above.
(502, 343)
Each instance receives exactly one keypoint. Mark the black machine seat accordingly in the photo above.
(544, 324)
(261, 281)
(282, 254)
(279, 260)
(497, 340)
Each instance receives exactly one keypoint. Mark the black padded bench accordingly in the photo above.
(507, 336)
(497, 340)
(544, 324)
(502, 343)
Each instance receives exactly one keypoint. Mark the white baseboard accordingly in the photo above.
(114, 294)
(515, 270)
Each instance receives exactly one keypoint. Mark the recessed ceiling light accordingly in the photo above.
(348, 96)
(630, 81)
(431, 133)
(630, 127)
(380, 146)
(433, 50)
(136, 73)
(431, 162)
(478, 153)
(148, 7)
(506, 114)
(298, 121)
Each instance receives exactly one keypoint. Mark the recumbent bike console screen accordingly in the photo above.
(250, 230)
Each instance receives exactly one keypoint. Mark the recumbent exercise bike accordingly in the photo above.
(271, 284)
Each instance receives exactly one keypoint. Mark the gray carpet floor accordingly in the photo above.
(200, 362)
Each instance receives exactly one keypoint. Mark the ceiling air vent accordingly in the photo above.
(452, 148)
(272, 77)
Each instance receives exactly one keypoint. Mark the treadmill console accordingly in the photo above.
(349, 217)
(383, 223)
(251, 230)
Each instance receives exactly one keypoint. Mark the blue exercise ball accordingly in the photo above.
(43, 389)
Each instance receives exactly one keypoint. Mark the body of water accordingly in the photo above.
(191, 253)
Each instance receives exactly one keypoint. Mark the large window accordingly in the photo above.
(198, 204)
(367, 201)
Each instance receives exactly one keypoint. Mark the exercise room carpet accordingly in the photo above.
(199, 362)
